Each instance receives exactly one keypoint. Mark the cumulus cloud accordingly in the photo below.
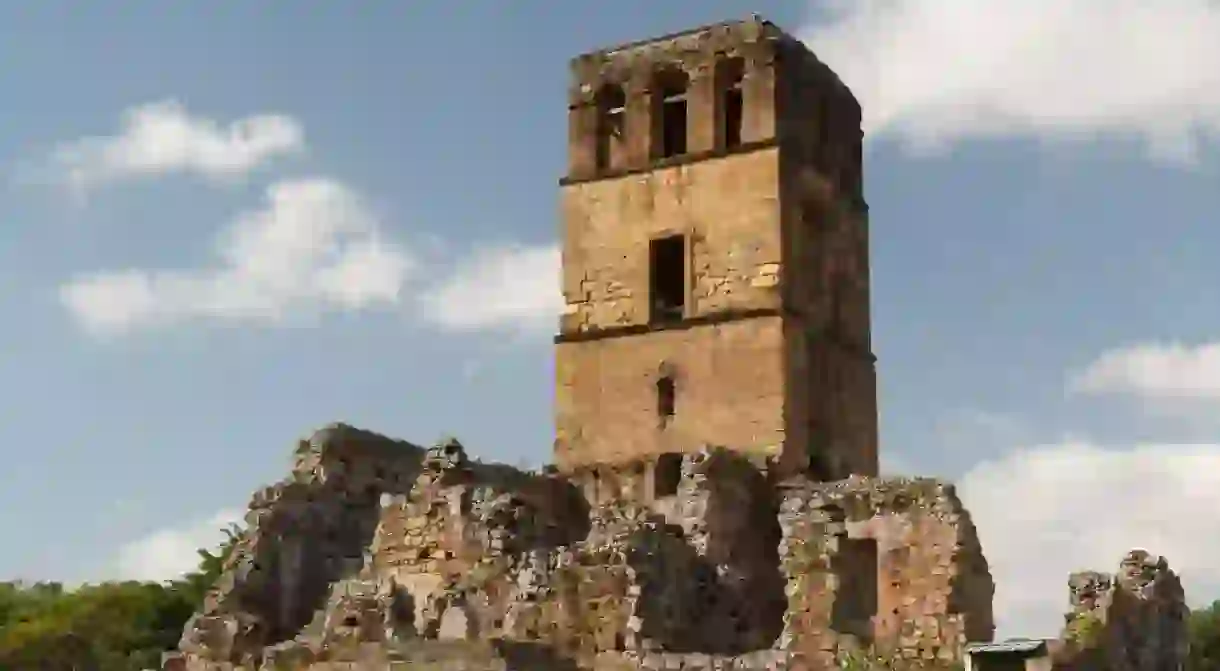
(1166, 372)
(932, 72)
(164, 137)
(509, 287)
(1047, 511)
(313, 245)
(167, 554)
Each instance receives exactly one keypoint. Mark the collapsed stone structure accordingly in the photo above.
(375, 553)
(1132, 620)
(715, 500)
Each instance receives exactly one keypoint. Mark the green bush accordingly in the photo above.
(115, 626)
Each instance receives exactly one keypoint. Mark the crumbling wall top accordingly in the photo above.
(343, 441)
(754, 38)
(722, 34)
(862, 497)
(1133, 619)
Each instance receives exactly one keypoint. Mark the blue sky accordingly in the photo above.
(1043, 185)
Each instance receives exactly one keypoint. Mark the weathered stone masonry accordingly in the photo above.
(727, 569)
(1132, 620)
(764, 334)
(908, 548)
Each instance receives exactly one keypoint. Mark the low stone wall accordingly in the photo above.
(891, 564)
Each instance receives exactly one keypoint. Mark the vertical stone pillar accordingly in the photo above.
(758, 89)
(582, 125)
(639, 123)
(702, 103)
(810, 540)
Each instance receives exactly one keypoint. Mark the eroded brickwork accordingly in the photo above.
(729, 382)
(505, 569)
(1132, 620)
(303, 534)
(892, 564)
(729, 211)
(769, 343)
(700, 55)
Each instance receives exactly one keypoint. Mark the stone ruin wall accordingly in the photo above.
(302, 534)
(375, 553)
(891, 564)
(1132, 620)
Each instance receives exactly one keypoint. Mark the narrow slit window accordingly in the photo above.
(611, 115)
(666, 398)
(667, 475)
(667, 278)
(732, 102)
(672, 88)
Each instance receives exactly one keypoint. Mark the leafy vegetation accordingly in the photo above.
(116, 626)
(1085, 630)
(1205, 638)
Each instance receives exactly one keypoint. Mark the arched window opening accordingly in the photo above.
(730, 74)
(671, 88)
(611, 127)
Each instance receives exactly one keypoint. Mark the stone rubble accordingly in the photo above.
(372, 548)
(1133, 620)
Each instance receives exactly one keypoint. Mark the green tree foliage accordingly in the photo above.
(1205, 639)
(117, 626)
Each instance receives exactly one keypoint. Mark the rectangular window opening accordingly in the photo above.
(856, 599)
(667, 475)
(673, 125)
(667, 279)
(732, 103)
(609, 132)
(611, 117)
(733, 116)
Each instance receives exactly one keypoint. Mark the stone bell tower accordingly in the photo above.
(715, 256)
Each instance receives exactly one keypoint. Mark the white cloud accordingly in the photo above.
(163, 137)
(936, 71)
(509, 287)
(313, 245)
(1045, 512)
(167, 554)
(1165, 372)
